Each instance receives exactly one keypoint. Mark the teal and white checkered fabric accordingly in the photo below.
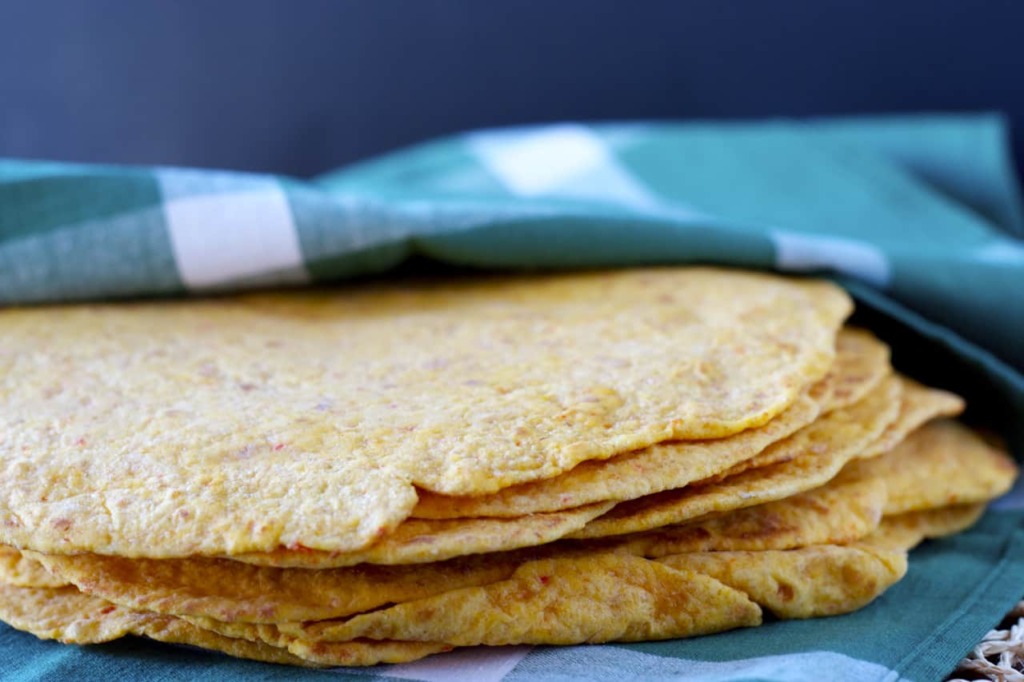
(919, 217)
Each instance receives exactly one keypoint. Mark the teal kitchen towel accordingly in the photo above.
(919, 217)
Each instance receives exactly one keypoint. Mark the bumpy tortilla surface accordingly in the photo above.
(941, 464)
(234, 592)
(861, 363)
(918, 405)
(907, 530)
(820, 580)
(653, 469)
(246, 424)
(21, 571)
(67, 615)
(838, 512)
(418, 541)
(599, 598)
(824, 447)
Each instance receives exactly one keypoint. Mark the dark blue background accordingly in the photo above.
(306, 85)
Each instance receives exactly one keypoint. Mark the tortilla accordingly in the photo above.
(634, 474)
(247, 424)
(919, 408)
(608, 597)
(231, 591)
(67, 615)
(174, 631)
(598, 598)
(358, 652)
(861, 364)
(906, 531)
(822, 580)
(826, 446)
(839, 512)
(421, 540)
(310, 654)
(941, 464)
(581, 593)
(919, 405)
(362, 653)
(21, 571)
(862, 361)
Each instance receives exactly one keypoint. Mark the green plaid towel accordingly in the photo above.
(918, 217)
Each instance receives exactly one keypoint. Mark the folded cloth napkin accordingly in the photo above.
(918, 217)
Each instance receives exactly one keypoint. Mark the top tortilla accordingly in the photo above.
(861, 363)
(305, 420)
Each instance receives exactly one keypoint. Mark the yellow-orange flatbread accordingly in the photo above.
(598, 598)
(862, 361)
(651, 470)
(419, 541)
(306, 420)
(907, 530)
(20, 571)
(232, 591)
(67, 615)
(822, 580)
(919, 404)
(827, 445)
(941, 464)
(838, 512)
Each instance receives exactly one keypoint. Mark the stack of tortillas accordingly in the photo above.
(378, 474)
